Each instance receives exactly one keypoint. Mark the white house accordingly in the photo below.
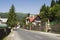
(3, 20)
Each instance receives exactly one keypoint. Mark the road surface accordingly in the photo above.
(32, 35)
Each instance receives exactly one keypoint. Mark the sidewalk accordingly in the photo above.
(12, 36)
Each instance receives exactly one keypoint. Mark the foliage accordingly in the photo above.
(58, 1)
(3, 15)
(12, 21)
(52, 3)
(19, 16)
(52, 13)
(55, 11)
(44, 12)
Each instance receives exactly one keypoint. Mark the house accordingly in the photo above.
(3, 20)
(36, 22)
(33, 19)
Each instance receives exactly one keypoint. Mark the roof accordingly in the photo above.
(31, 19)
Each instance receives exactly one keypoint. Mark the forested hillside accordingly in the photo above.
(20, 16)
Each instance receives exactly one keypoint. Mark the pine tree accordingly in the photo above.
(43, 8)
(12, 21)
(58, 1)
(52, 3)
(28, 14)
(43, 12)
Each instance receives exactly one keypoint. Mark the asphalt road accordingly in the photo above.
(32, 35)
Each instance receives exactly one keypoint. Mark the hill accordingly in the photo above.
(20, 16)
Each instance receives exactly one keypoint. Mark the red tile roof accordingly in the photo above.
(32, 18)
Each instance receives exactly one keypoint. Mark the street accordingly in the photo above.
(32, 35)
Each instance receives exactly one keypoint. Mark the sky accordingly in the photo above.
(23, 6)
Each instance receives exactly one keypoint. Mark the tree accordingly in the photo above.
(28, 14)
(52, 3)
(50, 13)
(12, 21)
(58, 1)
(43, 8)
(55, 11)
(44, 12)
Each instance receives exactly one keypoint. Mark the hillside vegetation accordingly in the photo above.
(20, 16)
(52, 13)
